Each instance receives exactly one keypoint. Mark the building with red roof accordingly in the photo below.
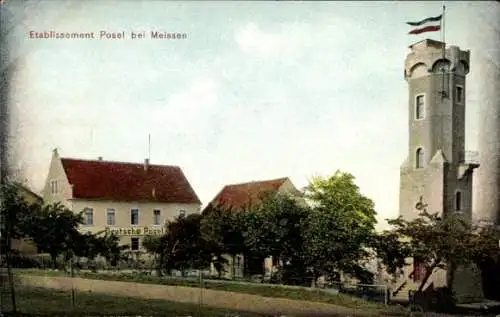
(243, 197)
(132, 200)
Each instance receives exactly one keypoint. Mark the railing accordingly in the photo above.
(405, 280)
(469, 157)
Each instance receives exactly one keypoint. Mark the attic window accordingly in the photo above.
(53, 187)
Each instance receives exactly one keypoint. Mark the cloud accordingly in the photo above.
(186, 111)
(252, 40)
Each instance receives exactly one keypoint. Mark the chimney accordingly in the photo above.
(146, 164)
(99, 158)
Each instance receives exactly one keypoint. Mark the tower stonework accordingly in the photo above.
(437, 173)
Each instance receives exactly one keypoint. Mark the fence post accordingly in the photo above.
(386, 295)
(200, 302)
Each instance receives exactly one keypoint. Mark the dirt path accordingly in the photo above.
(220, 299)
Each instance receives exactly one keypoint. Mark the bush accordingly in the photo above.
(19, 261)
(444, 300)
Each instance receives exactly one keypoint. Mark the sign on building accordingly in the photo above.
(135, 231)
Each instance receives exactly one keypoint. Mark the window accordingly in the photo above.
(459, 94)
(441, 66)
(53, 187)
(419, 107)
(134, 216)
(182, 213)
(134, 244)
(88, 217)
(110, 216)
(419, 159)
(156, 217)
(458, 201)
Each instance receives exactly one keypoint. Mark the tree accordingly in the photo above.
(185, 246)
(488, 260)
(54, 229)
(274, 229)
(391, 250)
(339, 227)
(157, 246)
(108, 246)
(221, 228)
(437, 242)
(16, 214)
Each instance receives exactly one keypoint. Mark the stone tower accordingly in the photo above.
(437, 174)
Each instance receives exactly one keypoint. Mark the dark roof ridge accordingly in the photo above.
(117, 162)
(257, 181)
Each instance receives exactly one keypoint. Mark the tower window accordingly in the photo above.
(459, 94)
(419, 107)
(458, 201)
(419, 158)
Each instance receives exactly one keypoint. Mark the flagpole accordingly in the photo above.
(443, 37)
(443, 24)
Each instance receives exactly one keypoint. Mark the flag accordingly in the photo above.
(432, 24)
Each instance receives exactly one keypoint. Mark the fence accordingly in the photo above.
(369, 292)
(136, 271)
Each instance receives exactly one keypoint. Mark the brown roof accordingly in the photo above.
(27, 191)
(120, 181)
(239, 196)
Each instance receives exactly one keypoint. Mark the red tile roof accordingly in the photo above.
(120, 181)
(239, 196)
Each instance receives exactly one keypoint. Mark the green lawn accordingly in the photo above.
(275, 291)
(41, 301)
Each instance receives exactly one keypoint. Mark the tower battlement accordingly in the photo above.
(426, 57)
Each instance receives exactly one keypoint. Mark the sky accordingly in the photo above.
(257, 90)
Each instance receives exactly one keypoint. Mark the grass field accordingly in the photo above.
(41, 301)
(275, 291)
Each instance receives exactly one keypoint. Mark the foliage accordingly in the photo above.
(16, 214)
(221, 229)
(440, 242)
(274, 229)
(185, 247)
(108, 246)
(391, 250)
(152, 244)
(54, 230)
(157, 246)
(339, 227)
